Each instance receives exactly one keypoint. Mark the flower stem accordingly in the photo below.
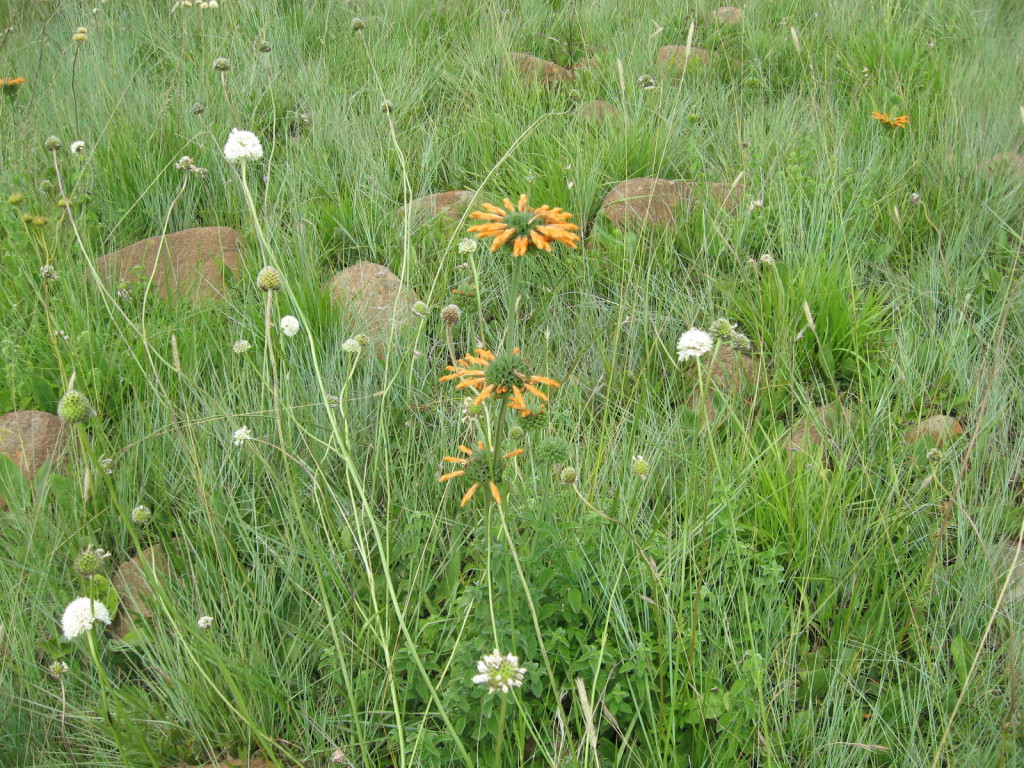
(501, 731)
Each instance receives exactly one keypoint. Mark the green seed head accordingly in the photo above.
(52, 144)
(554, 450)
(640, 467)
(721, 329)
(351, 347)
(451, 314)
(269, 279)
(58, 669)
(478, 469)
(40, 221)
(264, 46)
(517, 433)
(90, 561)
(74, 408)
(363, 339)
(141, 515)
(569, 476)
(506, 370)
(15, 198)
(537, 420)
(221, 64)
(420, 309)
(358, 25)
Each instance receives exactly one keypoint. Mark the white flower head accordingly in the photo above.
(241, 435)
(289, 325)
(242, 145)
(241, 346)
(499, 673)
(694, 343)
(767, 258)
(467, 245)
(351, 347)
(81, 614)
(77, 147)
(205, 622)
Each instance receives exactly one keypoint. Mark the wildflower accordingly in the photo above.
(124, 290)
(48, 272)
(351, 347)
(11, 82)
(554, 450)
(517, 433)
(499, 673)
(640, 467)
(478, 468)
(504, 375)
(264, 47)
(693, 343)
(90, 561)
(81, 614)
(535, 227)
(915, 199)
(77, 147)
(451, 314)
(740, 342)
(934, 455)
(185, 163)
(646, 82)
(62, 334)
(80, 36)
(15, 198)
(755, 204)
(467, 245)
(363, 339)
(58, 669)
(241, 346)
(241, 435)
(358, 25)
(205, 622)
(46, 186)
(721, 329)
(198, 109)
(420, 309)
(387, 106)
(52, 144)
(242, 145)
(269, 279)
(471, 409)
(767, 259)
(74, 408)
(221, 64)
(289, 325)
(569, 476)
(141, 515)
(40, 221)
(213, 4)
(107, 465)
(893, 122)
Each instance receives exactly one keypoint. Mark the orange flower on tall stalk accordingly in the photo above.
(526, 227)
(893, 122)
(502, 375)
(477, 467)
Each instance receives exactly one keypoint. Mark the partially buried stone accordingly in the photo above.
(727, 15)
(373, 298)
(731, 374)
(674, 58)
(30, 439)
(133, 582)
(191, 264)
(534, 69)
(815, 436)
(445, 206)
(598, 112)
(938, 430)
(657, 202)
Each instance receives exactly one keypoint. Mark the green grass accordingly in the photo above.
(724, 611)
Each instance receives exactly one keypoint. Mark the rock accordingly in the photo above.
(727, 15)
(730, 373)
(373, 298)
(131, 580)
(1003, 556)
(586, 65)
(813, 434)
(656, 201)
(1010, 161)
(674, 58)
(191, 263)
(30, 438)
(447, 205)
(598, 111)
(937, 429)
(534, 69)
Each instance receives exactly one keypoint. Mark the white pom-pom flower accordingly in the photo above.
(242, 145)
(694, 343)
(289, 325)
(241, 436)
(499, 673)
(81, 614)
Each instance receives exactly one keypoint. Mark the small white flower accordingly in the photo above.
(48, 272)
(767, 258)
(81, 614)
(213, 4)
(205, 622)
(694, 343)
(77, 147)
(351, 347)
(289, 325)
(467, 245)
(499, 673)
(242, 145)
(242, 434)
(241, 346)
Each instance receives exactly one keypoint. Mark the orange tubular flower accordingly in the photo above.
(11, 82)
(476, 467)
(893, 122)
(526, 227)
(504, 375)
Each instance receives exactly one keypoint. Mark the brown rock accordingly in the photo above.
(728, 372)
(132, 582)
(656, 202)
(29, 438)
(450, 205)
(674, 58)
(813, 434)
(191, 263)
(598, 111)
(373, 298)
(588, 64)
(937, 429)
(534, 69)
(727, 15)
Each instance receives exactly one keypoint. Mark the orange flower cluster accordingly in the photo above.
(11, 82)
(472, 371)
(477, 465)
(893, 122)
(526, 227)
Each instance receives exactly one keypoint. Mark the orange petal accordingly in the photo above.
(484, 394)
(544, 380)
(516, 452)
(508, 204)
(520, 246)
(494, 489)
(469, 494)
(522, 202)
(455, 460)
(465, 450)
(534, 390)
(450, 475)
(493, 209)
(501, 239)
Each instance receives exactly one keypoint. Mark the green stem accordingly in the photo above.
(501, 731)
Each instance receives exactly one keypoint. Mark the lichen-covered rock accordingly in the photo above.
(30, 438)
(727, 15)
(373, 298)
(132, 580)
(937, 430)
(657, 202)
(190, 264)
(674, 58)
(727, 372)
(447, 205)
